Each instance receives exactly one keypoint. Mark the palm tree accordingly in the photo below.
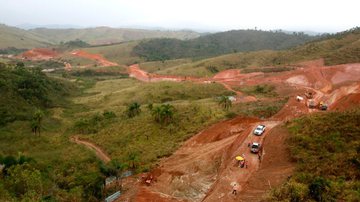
(37, 121)
(163, 114)
(119, 169)
(133, 109)
(225, 102)
(167, 113)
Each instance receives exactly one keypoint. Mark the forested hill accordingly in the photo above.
(23, 90)
(218, 44)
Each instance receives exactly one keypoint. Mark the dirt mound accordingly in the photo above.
(39, 54)
(348, 102)
(97, 57)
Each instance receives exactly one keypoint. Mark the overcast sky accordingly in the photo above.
(215, 15)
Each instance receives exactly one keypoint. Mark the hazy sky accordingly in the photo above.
(314, 15)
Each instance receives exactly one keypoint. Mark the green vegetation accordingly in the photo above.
(264, 90)
(106, 35)
(261, 109)
(326, 149)
(335, 49)
(218, 44)
(74, 44)
(19, 38)
(12, 50)
(133, 110)
(94, 123)
(23, 90)
(119, 53)
(94, 73)
(267, 69)
(225, 102)
(155, 66)
(163, 113)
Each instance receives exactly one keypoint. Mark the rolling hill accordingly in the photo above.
(340, 48)
(219, 44)
(41, 37)
(19, 38)
(107, 35)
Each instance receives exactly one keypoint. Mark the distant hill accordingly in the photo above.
(41, 37)
(107, 35)
(339, 48)
(219, 44)
(19, 38)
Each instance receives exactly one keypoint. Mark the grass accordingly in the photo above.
(125, 91)
(335, 50)
(149, 140)
(119, 53)
(76, 61)
(18, 38)
(260, 91)
(325, 147)
(195, 108)
(261, 109)
(267, 69)
(160, 66)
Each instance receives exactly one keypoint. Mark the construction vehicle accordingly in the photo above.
(323, 106)
(311, 104)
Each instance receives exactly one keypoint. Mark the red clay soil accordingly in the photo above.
(204, 168)
(39, 54)
(98, 151)
(275, 168)
(136, 72)
(97, 57)
(347, 102)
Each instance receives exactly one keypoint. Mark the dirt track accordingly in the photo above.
(205, 166)
(97, 57)
(98, 151)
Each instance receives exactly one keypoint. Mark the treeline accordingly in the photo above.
(25, 89)
(12, 51)
(218, 44)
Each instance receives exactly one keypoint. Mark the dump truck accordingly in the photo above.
(311, 104)
(323, 106)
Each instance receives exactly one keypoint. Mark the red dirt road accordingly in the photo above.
(98, 151)
(97, 57)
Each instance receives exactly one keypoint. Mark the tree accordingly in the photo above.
(163, 114)
(119, 168)
(133, 158)
(36, 122)
(133, 110)
(25, 181)
(225, 102)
